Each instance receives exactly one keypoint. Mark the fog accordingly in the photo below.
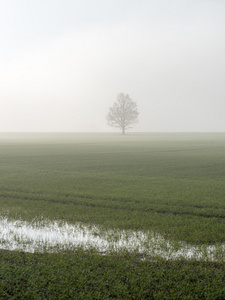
(64, 62)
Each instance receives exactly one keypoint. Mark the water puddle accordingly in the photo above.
(57, 236)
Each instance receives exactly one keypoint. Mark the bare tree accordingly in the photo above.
(123, 114)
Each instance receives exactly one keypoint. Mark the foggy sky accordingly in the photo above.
(62, 63)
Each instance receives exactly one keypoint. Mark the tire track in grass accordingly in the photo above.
(117, 207)
(75, 196)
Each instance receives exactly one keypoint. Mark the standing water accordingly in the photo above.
(56, 236)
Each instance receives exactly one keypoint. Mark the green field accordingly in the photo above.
(169, 184)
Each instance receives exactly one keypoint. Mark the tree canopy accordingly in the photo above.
(123, 114)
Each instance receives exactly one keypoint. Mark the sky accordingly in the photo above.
(63, 63)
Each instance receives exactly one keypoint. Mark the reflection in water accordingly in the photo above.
(55, 236)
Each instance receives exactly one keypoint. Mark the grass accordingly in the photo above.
(170, 184)
(86, 275)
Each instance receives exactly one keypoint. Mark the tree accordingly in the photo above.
(123, 114)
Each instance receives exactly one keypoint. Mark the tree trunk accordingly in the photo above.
(123, 131)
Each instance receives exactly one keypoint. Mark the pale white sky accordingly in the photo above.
(63, 62)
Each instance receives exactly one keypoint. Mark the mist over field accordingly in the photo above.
(64, 62)
(131, 211)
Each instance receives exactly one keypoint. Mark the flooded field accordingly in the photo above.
(99, 216)
(58, 236)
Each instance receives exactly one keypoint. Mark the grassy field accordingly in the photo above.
(170, 184)
(86, 275)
